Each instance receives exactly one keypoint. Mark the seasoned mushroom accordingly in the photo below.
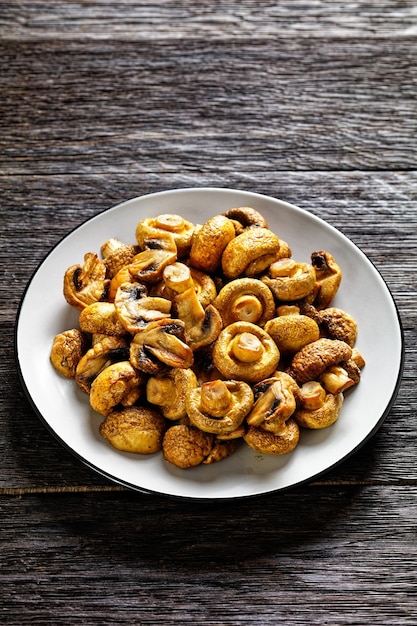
(117, 255)
(289, 280)
(186, 446)
(101, 318)
(169, 391)
(85, 284)
(118, 383)
(250, 253)
(169, 223)
(328, 277)
(292, 332)
(209, 243)
(269, 443)
(247, 217)
(219, 407)
(247, 300)
(148, 265)
(244, 351)
(202, 326)
(275, 402)
(134, 429)
(323, 416)
(136, 310)
(160, 344)
(104, 352)
(337, 324)
(336, 379)
(312, 360)
(221, 450)
(67, 350)
(122, 276)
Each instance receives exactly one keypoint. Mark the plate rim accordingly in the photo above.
(133, 487)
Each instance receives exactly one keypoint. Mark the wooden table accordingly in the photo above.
(311, 102)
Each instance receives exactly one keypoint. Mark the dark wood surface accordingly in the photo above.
(311, 102)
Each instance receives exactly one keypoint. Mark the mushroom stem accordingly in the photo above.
(312, 395)
(247, 348)
(247, 308)
(170, 222)
(215, 398)
(177, 277)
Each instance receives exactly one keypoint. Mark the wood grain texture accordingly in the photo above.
(312, 102)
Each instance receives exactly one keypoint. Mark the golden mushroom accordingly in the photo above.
(104, 352)
(328, 278)
(186, 446)
(247, 217)
(85, 284)
(169, 391)
(209, 242)
(314, 358)
(269, 443)
(118, 383)
(323, 415)
(159, 345)
(290, 280)
(292, 332)
(244, 351)
(135, 309)
(337, 324)
(180, 229)
(134, 429)
(101, 318)
(117, 255)
(67, 350)
(158, 252)
(275, 402)
(250, 253)
(219, 406)
(247, 300)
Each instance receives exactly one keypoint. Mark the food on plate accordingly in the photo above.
(199, 338)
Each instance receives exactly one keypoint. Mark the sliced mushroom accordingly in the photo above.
(292, 332)
(148, 265)
(328, 277)
(172, 224)
(247, 217)
(244, 351)
(289, 280)
(312, 360)
(275, 402)
(170, 390)
(103, 353)
(67, 350)
(117, 255)
(322, 417)
(160, 344)
(219, 407)
(186, 446)
(118, 383)
(250, 253)
(136, 310)
(122, 276)
(202, 326)
(134, 429)
(209, 242)
(101, 318)
(247, 300)
(269, 443)
(85, 284)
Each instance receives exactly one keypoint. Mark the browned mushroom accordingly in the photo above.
(101, 318)
(134, 429)
(67, 350)
(289, 280)
(337, 324)
(275, 402)
(104, 352)
(148, 265)
(117, 255)
(247, 300)
(159, 345)
(292, 332)
(247, 217)
(328, 277)
(312, 360)
(202, 326)
(219, 407)
(323, 416)
(250, 253)
(170, 390)
(209, 242)
(172, 224)
(136, 310)
(118, 383)
(244, 351)
(186, 446)
(269, 443)
(85, 284)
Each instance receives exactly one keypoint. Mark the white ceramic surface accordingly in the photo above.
(65, 409)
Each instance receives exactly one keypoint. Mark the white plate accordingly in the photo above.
(65, 409)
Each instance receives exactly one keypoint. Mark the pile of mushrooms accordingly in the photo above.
(199, 337)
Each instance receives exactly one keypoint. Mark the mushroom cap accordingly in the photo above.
(328, 278)
(247, 217)
(202, 326)
(101, 318)
(186, 446)
(134, 429)
(245, 299)
(296, 282)
(250, 253)
(269, 443)
(275, 402)
(175, 225)
(292, 332)
(116, 255)
(322, 417)
(170, 390)
(103, 353)
(338, 324)
(314, 358)
(135, 309)
(209, 243)
(232, 367)
(114, 385)
(67, 350)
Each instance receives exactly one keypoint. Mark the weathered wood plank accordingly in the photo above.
(218, 107)
(167, 19)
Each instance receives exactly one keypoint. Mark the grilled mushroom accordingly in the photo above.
(202, 326)
(250, 253)
(136, 310)
(292, 332)
(219, 407)
(247, 217)
(118, 383)
(289, 280)
(85, 284)
(67, 350)
(186, 446)
(116, 255)
(134, 429)
(337, 324)
(209, 243)
(247, 300)
(244, 351)
(148, 265)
